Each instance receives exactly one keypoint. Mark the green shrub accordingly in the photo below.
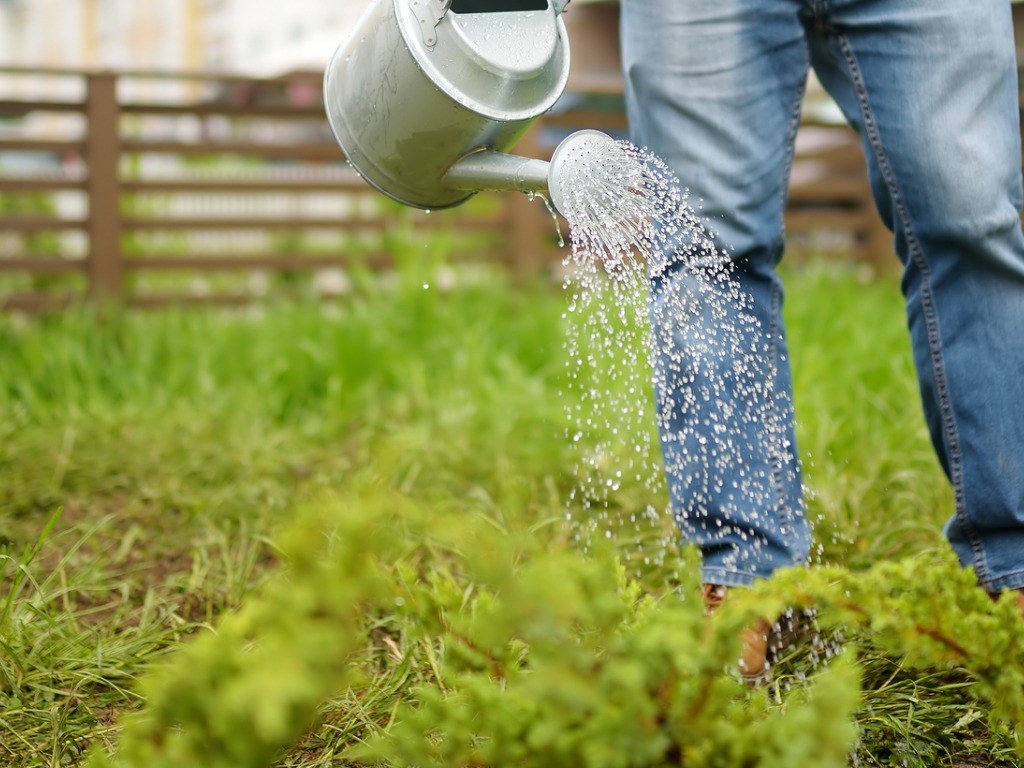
(541, 656)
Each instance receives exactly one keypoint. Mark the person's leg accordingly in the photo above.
(932, 85)
(715, 89)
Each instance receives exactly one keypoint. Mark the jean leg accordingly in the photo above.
(932, 85)
(715, 90)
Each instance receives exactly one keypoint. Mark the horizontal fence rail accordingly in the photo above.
(147, 188)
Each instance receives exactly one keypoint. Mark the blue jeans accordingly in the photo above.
(715, 89)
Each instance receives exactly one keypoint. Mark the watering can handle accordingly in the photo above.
(558, 5)
(429, 18)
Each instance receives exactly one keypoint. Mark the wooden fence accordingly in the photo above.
(147, 188)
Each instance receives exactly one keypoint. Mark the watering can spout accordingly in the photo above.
(501, 172)
(498, 172)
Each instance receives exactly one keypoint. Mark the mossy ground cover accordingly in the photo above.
(152, 463)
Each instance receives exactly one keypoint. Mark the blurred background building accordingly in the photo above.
(252, 37)
(262, 37)
(154, 146)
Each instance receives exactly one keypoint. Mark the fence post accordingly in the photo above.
(103, 187)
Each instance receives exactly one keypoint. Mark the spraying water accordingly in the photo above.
(632, 230)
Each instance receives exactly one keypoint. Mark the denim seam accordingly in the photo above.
(774, 453)
(791, 131)
(728, 578)
(1013, 580)
(818, 11)
(1010, 574)
(777, 453)
(927, 307)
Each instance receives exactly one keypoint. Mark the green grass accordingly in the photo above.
(176, 444)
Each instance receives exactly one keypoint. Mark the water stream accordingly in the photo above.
(632, 227)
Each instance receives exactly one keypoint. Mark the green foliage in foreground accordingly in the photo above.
(179, 444)
(238, 696)
(548, 657)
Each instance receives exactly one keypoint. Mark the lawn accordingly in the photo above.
(152, 463)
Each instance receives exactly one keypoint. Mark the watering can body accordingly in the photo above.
(419, 86)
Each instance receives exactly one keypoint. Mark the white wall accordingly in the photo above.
(263, 37)
(268, 37)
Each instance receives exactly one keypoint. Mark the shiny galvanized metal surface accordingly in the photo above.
(407, 99)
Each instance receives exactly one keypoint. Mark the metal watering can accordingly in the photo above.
(427, 96)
